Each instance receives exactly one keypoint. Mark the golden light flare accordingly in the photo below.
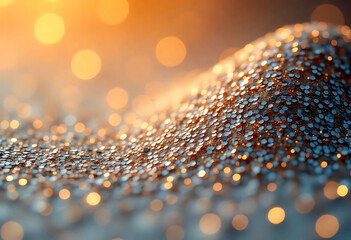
(4, 3)
(113, 11)
(114, 119)
(79, 127)
(93, 198)
(117, 98)
(170, 51)
(328, 13)
(49, 28)
(240, 222)
(64, 194)
(9, 178)
(276, 215)
(37, 123)
(14, 124)
(210, 223)
(342, 190)
(327, 226)
(217, 187)
(86, 64)
(11, 230)
(236, 177)
(22, 182)
(107, 184)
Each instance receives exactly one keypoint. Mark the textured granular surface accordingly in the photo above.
(272, 124)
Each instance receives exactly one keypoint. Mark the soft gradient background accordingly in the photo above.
(140, 49)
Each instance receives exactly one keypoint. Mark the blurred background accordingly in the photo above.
(105, 62)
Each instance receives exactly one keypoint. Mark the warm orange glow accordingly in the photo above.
(217, 187)
(64, 194)
(113, 11)
(107, 184)
(236, 177)
(49, 28)
(79, 127)
(86, 64)
(327, 226)
(22, 182)
(170, 51)
(93, 198)
(187, 181)
(114, 119)
(117, 98)
(48, 192)
(217, 69)
(210, 223)
(342, 190)
(240, 222)
(144, 66)
(276, 215)
(168, 185)
(9, 178)
(37, 123)
(14, 124)
(4, 3)
(271, 187)
(9, 56)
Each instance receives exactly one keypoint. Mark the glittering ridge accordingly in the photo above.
(283, 102)
(286, 105)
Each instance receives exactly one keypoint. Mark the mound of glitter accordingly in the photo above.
(284, 104)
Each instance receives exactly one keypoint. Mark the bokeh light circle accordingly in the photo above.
(327, 226)
(117, 98)
(86, 64)
(276, 215)
(93, 198)
(170, 51)
(11, 230)
(210, 223)
(240, 222)
(328, 13)
(49, 28)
